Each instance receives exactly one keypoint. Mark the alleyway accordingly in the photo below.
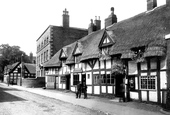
(62, 103)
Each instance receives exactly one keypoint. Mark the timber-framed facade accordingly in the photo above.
(133, 52)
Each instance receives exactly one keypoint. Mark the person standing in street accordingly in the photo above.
(78, 93)
(84, 88)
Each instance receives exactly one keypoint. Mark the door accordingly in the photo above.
(67, 82)
(119, 82)
(83, 78)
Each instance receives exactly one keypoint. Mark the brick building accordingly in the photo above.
(53, 39)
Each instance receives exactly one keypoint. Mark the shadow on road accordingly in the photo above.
(7, 97)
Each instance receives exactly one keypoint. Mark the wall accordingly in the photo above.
(37, 82)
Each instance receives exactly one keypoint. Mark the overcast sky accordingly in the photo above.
(23, 21)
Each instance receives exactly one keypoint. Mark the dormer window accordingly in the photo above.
(78, 48)
(106, 40)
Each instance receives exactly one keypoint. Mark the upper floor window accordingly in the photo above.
(47, 39)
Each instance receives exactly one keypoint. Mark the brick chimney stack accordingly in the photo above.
(151, 4)
(91, 27)
(97, 23)
(111, 19)
(65, 19)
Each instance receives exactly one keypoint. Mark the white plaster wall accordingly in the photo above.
(101, 64)
(114, 90)
(136, 83)
(89, 80)
(64, 69)
(60, 71)
(103, 89)
(153, 96)
(134, 95)
(96, 72)
(144, 95)
(71, 79)
(83, 67)
(64, 86)
(72, 68)
(108, 64)
(89, 89)
(96, 89)
(88, 67)
(163, 63)
(60, 86)
(110, 89)
(80, 77)
(132, 67)
(80, 65)
(163, 80)
(76, 65)
(96, 66)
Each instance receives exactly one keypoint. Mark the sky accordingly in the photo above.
(23, 21)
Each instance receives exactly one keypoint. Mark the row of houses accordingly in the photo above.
(135, 52)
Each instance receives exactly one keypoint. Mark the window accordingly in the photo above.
(96, 79)
(75, 79)
(103, 78)
(63, 79)
(131, 82)
(47, 55)
(44, 56)
(110, 79)
(148, 82)
(77, 58)
(88, 76)
(47, 39)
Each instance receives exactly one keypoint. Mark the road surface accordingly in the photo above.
(18, 102)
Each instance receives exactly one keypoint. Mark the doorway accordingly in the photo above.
(119, 82)
(67, 82)
(83, 78)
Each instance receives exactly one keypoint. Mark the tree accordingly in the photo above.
(10, 55)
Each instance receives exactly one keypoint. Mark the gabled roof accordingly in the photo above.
(70, 59)
(30, 67)
(141, 30)
(106, 40)
(90, 45)
(54, 61)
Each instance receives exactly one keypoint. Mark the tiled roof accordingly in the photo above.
(31, 67)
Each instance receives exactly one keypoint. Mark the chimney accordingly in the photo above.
(111, 19)
(31, 57)
(97, 23)
(91, 27)
(168, 2)
(151, 4)
(65, 19)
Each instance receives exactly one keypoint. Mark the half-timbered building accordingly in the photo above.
(134, 52)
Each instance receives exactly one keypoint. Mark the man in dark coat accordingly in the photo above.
(78, 93)
(84, 88)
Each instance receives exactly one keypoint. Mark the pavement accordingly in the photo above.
(106, 105)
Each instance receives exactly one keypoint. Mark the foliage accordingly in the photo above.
(10, 55)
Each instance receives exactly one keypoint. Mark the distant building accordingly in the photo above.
(53, 39)
(13, 73)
